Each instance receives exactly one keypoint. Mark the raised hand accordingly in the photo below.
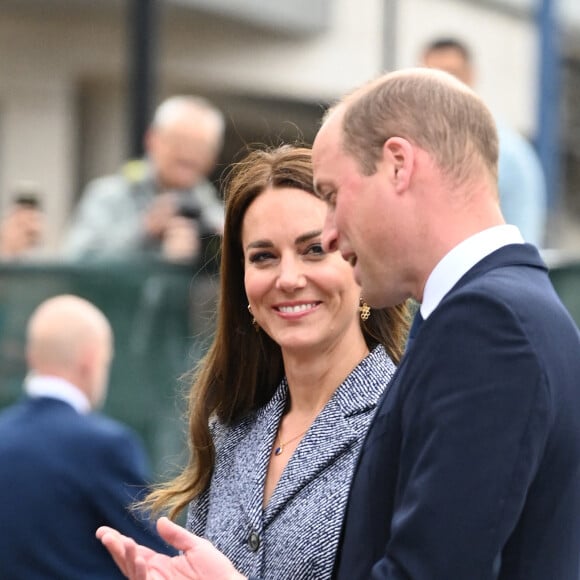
(199, 560)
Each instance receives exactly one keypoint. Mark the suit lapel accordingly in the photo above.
(329, 436)
(332, 434)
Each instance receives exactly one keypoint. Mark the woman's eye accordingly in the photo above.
(260, 257)
(316, 249)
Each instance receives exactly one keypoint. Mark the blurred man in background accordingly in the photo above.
(160, 206)
(64, 470)
(521, 180)
(22, 227)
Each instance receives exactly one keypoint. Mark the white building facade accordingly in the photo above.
(269, 65)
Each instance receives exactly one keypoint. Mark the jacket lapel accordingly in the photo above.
(252, 444)
(328, 438)
(332, 433)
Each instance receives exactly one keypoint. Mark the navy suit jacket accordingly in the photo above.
(471, 467)
(63, 474)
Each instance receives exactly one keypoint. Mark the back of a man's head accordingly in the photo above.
(429, 108)
(450, 55)
(70, 338)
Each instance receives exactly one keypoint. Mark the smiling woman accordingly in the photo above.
(304, 299)
(280, 404)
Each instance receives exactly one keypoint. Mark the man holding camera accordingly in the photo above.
(161, 206)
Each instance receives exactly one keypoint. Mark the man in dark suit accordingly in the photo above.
(471, 467)
(64, 470)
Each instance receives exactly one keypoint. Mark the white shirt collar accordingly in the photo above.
(57, 388)
(461, 259)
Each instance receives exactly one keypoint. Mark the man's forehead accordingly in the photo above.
(322, 153)
(326, 167)
(327, 141)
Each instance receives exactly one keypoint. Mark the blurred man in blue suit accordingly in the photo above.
(65, 470)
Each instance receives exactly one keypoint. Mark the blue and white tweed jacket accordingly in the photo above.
(296, 535)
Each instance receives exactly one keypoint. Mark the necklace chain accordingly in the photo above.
(280, 448)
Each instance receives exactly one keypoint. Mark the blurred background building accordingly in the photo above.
(78, 78)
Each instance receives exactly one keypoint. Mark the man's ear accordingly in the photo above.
(399, 156)
(86, 361)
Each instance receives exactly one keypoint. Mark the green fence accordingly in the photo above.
(162, 319)
(565, 275)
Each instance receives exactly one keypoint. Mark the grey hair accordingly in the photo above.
(175, 107)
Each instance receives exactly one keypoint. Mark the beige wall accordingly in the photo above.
(44, 56)
(504, 46)
(37, 143)
(226, 56)
(63, 74)
(63, 81)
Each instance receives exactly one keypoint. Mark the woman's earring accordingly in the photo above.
(364, 309)
(254, 322)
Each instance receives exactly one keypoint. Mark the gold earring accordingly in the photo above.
(364, 309)
(254, 321)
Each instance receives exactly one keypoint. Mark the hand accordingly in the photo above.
(159, 214)
(181, 241)
(198, 560)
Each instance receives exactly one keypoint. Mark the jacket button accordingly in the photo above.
(254, 541)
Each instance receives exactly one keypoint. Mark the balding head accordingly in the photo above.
(431, 109)
(68, 337)
(184, 141)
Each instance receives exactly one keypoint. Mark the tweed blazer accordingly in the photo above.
(296, 535)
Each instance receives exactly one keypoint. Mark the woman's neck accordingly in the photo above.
(314, 377)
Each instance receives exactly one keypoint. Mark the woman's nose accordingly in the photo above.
(291, 274)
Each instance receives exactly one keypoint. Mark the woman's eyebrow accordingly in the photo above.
(308, 236)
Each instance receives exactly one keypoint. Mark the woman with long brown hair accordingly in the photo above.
(282, 400)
